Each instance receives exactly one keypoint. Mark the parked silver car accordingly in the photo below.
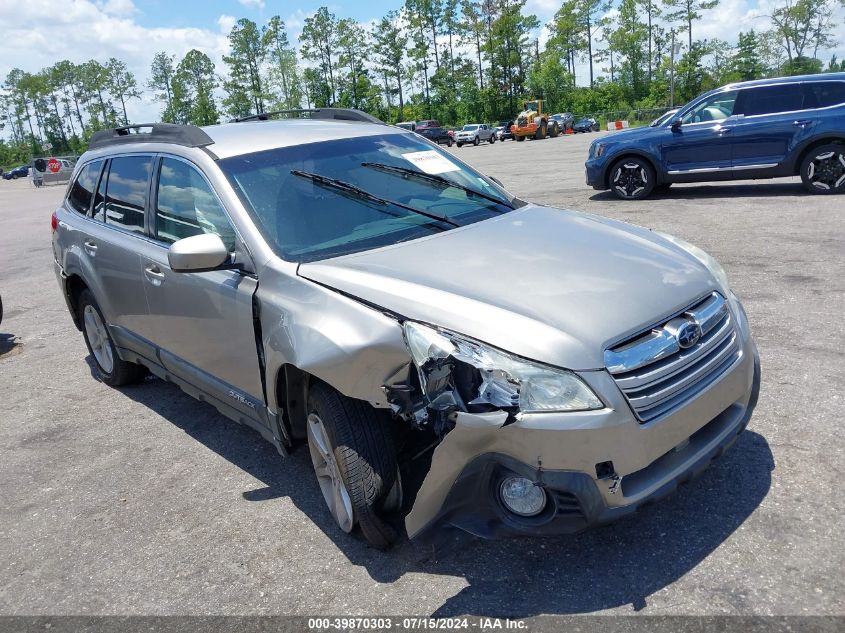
(451, 355)
(475, 133)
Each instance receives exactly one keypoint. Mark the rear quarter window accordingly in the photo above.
(82, 190)
(770, 100)
(823, 94)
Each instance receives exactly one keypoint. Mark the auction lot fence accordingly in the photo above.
(52, 170)
(634, 117)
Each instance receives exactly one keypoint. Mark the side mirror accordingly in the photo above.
(676, 125)
(197, 253)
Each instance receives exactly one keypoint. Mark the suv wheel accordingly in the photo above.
(476, 141)
(111, 369)
(492, 139)
(823, 169)
(355, 463)
(631, 179)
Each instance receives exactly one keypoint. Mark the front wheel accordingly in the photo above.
(460, 144)
(823, 169)
(492, 139)
(631, 178)
(110, 368)
(554, 131)
(476, 141)
(355, 462)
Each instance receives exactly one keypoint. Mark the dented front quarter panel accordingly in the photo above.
(351, 346)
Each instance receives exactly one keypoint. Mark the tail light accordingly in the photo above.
(54, 222)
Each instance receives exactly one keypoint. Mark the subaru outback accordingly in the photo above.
(752, 130)
(451, 356)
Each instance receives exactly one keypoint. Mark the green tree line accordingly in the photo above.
(451, 60)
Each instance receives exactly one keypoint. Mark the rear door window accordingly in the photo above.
(82, 190)
(770, 100)
(126, 192)
(186, 205)
(823, 94)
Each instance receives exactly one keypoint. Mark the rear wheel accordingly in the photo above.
(823, 169)
(110, 368)
(554, 131)
(355, 462)
(631, 178)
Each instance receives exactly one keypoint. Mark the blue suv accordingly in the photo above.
(756, 129)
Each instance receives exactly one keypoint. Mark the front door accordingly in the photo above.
(702, 143)
(203, 322)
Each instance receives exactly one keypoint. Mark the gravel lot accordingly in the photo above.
(144, 500)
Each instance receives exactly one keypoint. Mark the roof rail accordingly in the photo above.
(337, 114)
(187, 135)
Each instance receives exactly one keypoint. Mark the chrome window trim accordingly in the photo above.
(704, 170)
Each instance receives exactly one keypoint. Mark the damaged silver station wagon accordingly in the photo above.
(452, 356)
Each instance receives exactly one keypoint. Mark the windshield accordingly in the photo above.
(663, 118)
(306, 220)
(470, 128)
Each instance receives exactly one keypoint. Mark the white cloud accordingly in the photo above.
(84, 29)
(226, 23)
(253, 4)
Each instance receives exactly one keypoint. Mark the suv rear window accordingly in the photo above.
(770, 99)
(126, 192)
(822, 94)
(83, 188)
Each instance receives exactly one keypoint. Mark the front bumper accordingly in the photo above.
(595, 171)
(568, 455)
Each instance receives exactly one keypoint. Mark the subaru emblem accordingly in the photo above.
(689, 334)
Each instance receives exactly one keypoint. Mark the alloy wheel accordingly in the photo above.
(630, 179)
(826, 170)
(328, 474)
(98, 338)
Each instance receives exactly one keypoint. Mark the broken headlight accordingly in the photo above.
(455, 371)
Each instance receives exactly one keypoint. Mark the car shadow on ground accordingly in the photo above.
(704, 192)
(612, 566)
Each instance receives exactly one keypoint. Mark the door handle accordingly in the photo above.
(90, 247)
(802, 123)
(724, 130)
(153, 274)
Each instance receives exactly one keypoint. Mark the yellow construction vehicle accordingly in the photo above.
(532, 122)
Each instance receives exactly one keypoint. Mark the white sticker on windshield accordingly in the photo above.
(431, 162)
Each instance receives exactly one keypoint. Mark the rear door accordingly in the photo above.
(203, 322)
(111, 247)
(772, 121)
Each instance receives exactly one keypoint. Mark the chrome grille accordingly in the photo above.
(657, 375)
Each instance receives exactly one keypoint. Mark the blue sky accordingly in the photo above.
(37, 33)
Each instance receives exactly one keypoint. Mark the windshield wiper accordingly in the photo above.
(440, 180)
(350, 189)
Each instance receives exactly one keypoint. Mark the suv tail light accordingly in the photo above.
(54, 222)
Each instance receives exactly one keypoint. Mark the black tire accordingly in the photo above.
(519, 138)
(366, 458)
(541, 131)
(554, 131)
(460, 144)
(823, 169)
(492, 139)
(476, 141)
(122, 372)
(631, 178)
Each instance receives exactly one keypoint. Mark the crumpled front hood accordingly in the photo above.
(551, 285)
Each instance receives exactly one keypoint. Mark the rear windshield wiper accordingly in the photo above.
(439, 180)
(350, 189)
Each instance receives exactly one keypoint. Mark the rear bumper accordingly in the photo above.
(564, 455)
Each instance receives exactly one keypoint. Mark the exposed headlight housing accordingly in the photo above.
(707, 260)
(455, 370)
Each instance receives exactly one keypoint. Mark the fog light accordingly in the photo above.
(522, 496)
